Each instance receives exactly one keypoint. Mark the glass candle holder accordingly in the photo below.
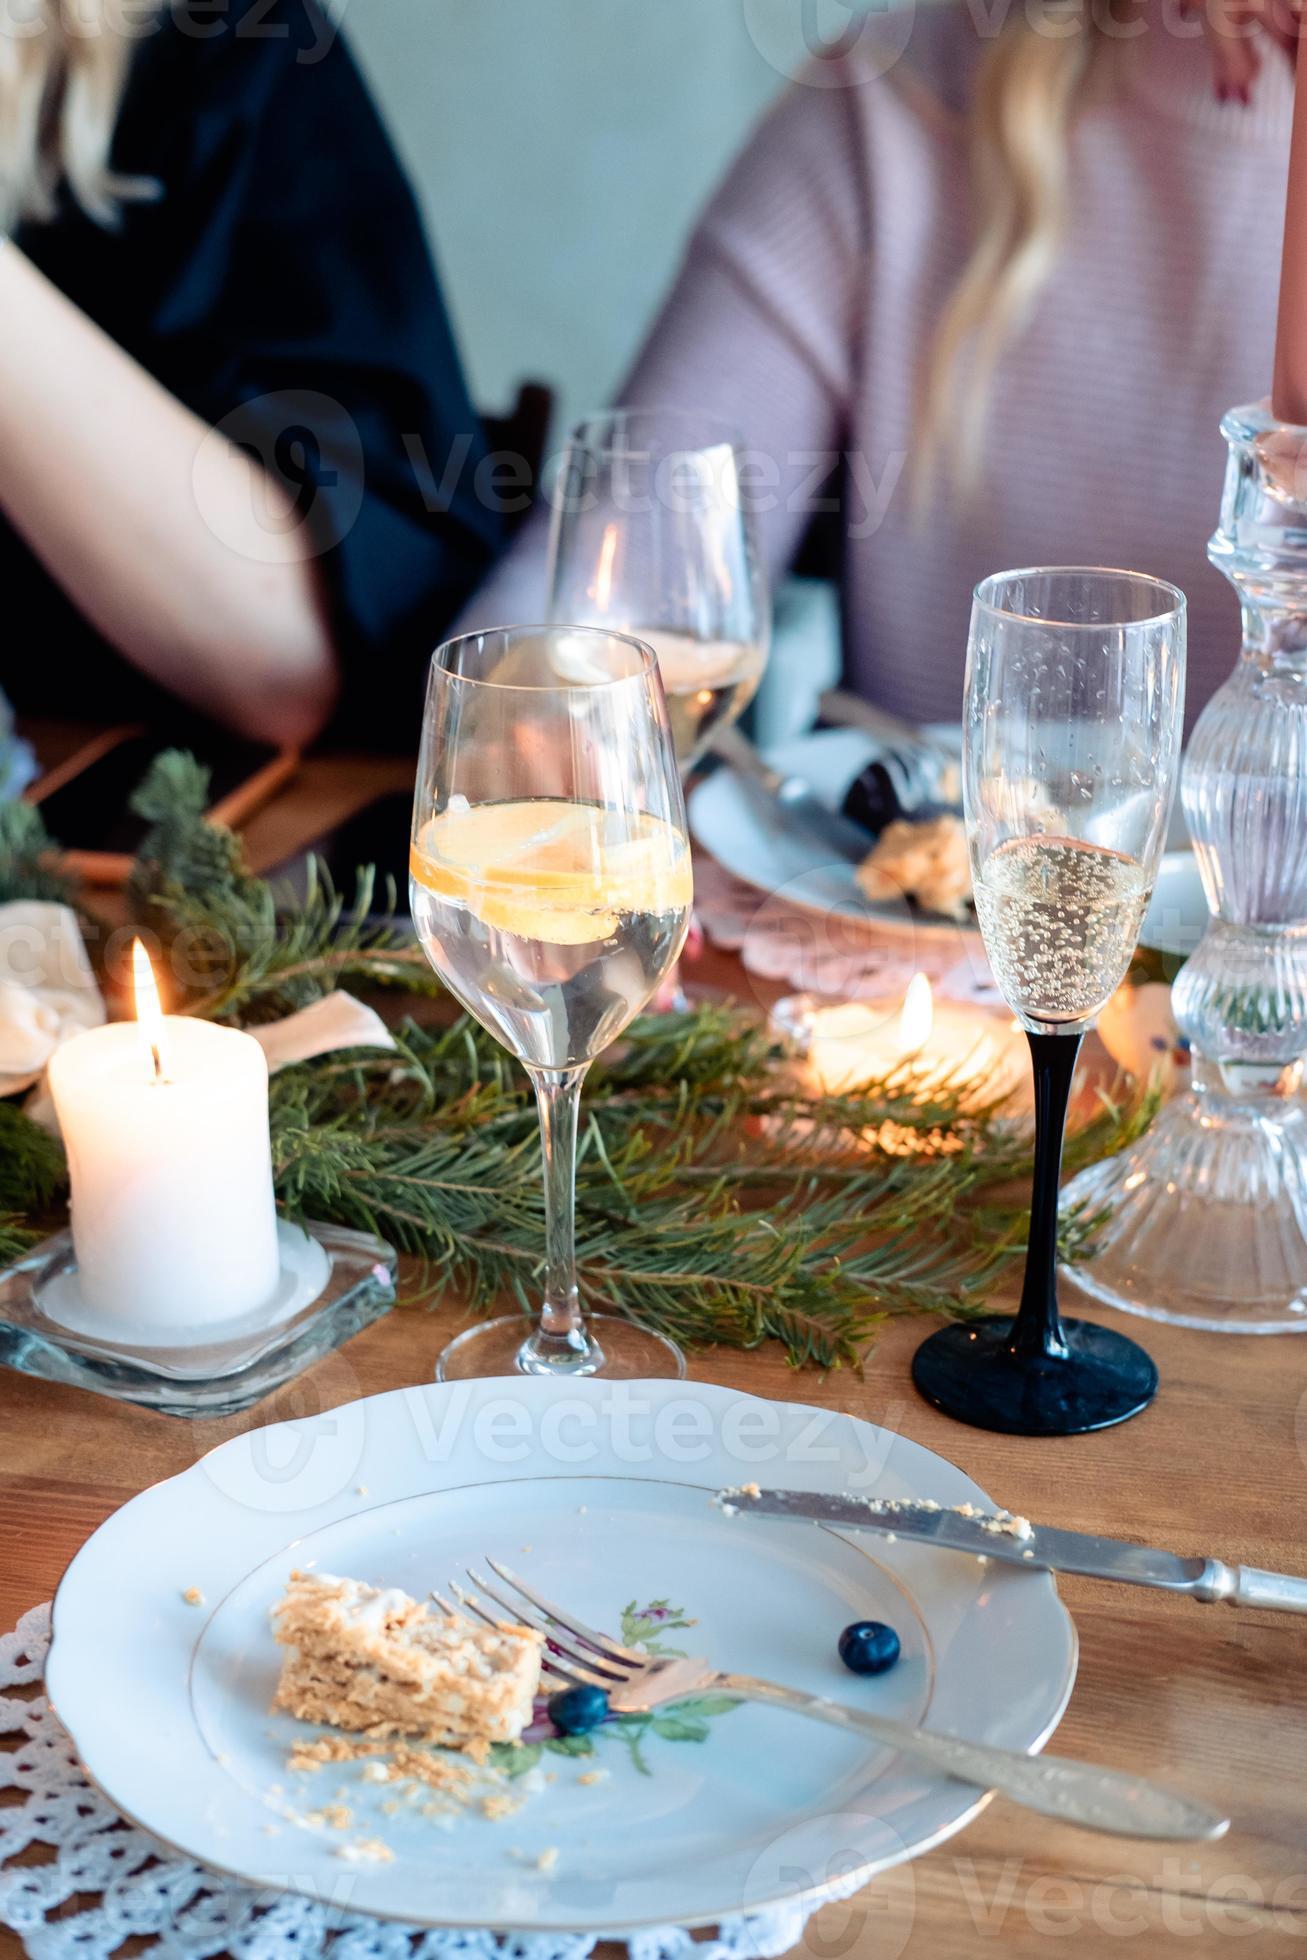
(1205, 1220)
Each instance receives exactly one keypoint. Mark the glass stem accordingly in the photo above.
(1037, 1328)
(560, 1343)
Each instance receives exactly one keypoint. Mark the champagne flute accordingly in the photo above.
(1071, 745)
(651, 536)
(550, 887)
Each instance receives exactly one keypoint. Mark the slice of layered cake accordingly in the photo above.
(381, 1664)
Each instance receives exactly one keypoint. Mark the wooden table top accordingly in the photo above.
(1210, 1698)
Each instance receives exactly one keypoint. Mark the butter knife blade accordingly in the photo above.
(787, 804)
(1041, 1547)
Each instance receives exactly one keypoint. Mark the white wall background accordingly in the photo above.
(561, 149)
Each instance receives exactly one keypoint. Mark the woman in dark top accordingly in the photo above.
(237, 456)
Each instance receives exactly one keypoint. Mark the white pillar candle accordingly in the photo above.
(165, 1124)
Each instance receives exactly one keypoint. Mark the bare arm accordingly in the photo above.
(219, 604)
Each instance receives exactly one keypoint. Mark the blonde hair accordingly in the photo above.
(63, 70)
(1027, 92)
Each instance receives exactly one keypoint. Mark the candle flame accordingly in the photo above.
(917, 1020)
(149, 1010)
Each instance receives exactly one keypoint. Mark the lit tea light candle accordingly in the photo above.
(929, 1046)
(165, 1122)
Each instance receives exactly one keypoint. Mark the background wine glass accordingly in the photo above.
(651, 535)
(1071, 743)
(550, 886)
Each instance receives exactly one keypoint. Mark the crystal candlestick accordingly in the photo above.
(1206, 1218)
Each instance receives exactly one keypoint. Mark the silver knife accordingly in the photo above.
(792, 804)
(1015, 1541)
(851, 711)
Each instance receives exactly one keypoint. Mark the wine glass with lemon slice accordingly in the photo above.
(550, 885)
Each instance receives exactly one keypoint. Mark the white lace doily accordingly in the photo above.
(833, 955)
(100, 1881)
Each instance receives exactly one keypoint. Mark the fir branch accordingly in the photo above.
(699, 1211)
(33, 1173)
(16, 1238)
(26, 850)
(716, 1200)
(182, 852)
(33, 1181)
(239, 951)
(276, 960)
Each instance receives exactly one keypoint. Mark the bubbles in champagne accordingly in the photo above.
(1060, 919)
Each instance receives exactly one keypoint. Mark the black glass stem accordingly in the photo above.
(1037, 1328)
(1038, 1375)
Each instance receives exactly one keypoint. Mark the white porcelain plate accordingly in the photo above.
(1177, 913)
(599, 1493)
(739, 832)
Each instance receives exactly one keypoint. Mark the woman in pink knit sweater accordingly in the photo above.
(1008, 270)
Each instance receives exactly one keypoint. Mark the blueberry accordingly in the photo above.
(867, 1647)
(575, 1711)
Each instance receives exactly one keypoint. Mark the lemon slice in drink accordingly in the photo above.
(560, 873)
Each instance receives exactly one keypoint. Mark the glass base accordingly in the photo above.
(969, 1371)
(624, 1352)
(333, 1283)
(1205, 1221)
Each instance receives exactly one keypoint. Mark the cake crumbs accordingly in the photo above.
(446, 1777)
(498, 1806)
(193, 1596)
(998, 1524)
(332, 1817)
(593, 1776)
(1005, 1524)
(360, 1490)
(366, 1851)
(436, 1772)
(542, 1861)
(307, 1756)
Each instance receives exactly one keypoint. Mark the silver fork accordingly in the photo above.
(1076, 1793)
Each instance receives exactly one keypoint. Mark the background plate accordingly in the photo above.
(737, 832)
(1177, 913)
(597, 1492)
